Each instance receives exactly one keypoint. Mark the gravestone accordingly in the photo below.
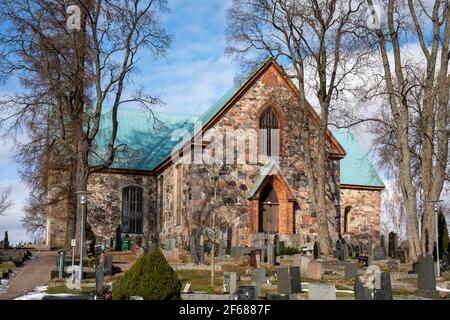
(356, 251)
(118, 245)
(6, 241)
(314, 270)
(426, 282)
(259, 276)
(351, 270)
(320, 291)
(263, 253)
(236, 252)
(350, 250)
(379, 254)
(99, 277)
(229, 238)
(255, 258)
(108, 265)
(97, 250)
(361, 292)
(288, 280)
(229, 282)
(316, 250)
(302, 262)
(245, 293)
(363, 261)
(400, 255)
(393, 244)
(383, 288)
(271, 255)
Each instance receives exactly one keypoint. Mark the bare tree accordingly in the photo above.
(35, 218)
(318, 40)
(5, 199)
(77, 76)
(413, 126)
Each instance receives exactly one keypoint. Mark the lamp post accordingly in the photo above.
(83, 203)
(436, 209)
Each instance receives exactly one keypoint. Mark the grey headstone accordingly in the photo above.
(383, 288)
(319, 291)
(361, 292)
(229, 282)
(229, 238)
(288, 280)
(99, 277)
(351, 270)
(379, 254)
(259, 276)
(236, 252)
(271, 255)
(426, 282)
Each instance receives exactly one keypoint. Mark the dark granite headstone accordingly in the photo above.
(288, 280)
(108, 265)
(245, 293)
(363, 261)
(383, 288)
(393, 244)
(6, 241)
(99, 277)
(361, 292)
(229, 238)
(118, 245)
(316, 250)
(351, 270)
(426, 282)
(445, 261)
(350, 250)
(356, 251)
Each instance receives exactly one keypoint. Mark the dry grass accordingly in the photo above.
(200, 280)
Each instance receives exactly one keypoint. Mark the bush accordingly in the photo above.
(151, 277)
(289, 251)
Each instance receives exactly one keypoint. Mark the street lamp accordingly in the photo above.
(436, 209)
(83, 203)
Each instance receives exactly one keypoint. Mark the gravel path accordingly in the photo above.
(34, 273)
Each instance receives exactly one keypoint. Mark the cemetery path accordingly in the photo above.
(34, 273)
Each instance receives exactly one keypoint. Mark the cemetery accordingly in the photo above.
(269, 272)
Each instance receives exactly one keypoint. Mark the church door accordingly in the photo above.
(268, 210)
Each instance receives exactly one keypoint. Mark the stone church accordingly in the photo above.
(156, 191)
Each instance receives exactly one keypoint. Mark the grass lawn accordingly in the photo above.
(200, 280)
(64, 289)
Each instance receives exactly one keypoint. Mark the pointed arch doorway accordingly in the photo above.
(268, 210)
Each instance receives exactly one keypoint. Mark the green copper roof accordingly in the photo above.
(356, 169)
(143, 140)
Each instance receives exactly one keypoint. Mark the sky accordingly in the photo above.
(194, 74)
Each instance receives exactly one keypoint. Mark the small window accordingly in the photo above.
(269, 134)
(132, 209)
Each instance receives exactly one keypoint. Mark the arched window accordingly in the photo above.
(269, 134)
(132, 209)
